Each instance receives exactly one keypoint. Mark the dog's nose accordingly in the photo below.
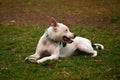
(74, 36)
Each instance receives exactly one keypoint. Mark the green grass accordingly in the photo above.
(17, 42)
(115, 19)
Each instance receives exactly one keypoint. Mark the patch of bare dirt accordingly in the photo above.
(98, 13)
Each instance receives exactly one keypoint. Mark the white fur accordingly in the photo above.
(55, 33)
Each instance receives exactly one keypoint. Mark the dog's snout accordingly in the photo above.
(73, 36)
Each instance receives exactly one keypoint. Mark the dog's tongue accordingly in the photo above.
(70, 41)
(67, 39)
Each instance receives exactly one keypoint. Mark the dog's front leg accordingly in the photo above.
(54, 52)
(52, 57)
(37, 54)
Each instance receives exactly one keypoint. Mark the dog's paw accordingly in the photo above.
(31, 59)
(94, 54)
(38, 62)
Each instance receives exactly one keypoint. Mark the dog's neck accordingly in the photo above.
(52, 40)
(49, 38)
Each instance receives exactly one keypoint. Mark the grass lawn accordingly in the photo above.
(17, 42)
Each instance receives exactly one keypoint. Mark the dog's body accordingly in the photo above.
(58, 41)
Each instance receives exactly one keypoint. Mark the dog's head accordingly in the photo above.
(60, 32)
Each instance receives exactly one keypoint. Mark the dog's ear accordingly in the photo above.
(53, 22)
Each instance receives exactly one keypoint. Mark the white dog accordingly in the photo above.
(58, 41)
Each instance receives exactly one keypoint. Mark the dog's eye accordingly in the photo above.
(66, 30)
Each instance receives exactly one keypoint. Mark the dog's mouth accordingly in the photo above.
(66, 39)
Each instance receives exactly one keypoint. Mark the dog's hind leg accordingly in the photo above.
(88, 49)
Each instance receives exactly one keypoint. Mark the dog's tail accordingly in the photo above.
(98, 46)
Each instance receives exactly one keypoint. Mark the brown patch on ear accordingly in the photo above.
(53, 22)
